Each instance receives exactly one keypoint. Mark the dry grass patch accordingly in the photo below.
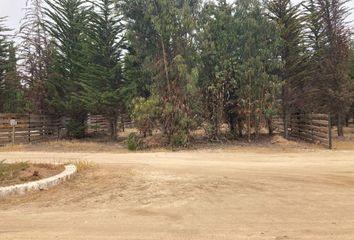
(90, 145)
(83, 165)
(17, 173)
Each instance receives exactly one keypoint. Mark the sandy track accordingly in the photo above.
(190, 195)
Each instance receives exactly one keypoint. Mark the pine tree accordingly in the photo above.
(105, 70)
(4, 46)
(138, 62)
(35, 55)
(13, 93)
(67, 22)
(330, 43)
(288, 20)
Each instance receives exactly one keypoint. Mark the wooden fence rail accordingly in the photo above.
(315, 128)
(34, 128)
(29, 128)
(99, 124)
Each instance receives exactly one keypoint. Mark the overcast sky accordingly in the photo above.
(13, 9)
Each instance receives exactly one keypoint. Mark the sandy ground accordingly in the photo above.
(202, 195)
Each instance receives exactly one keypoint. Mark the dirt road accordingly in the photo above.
(190, 195)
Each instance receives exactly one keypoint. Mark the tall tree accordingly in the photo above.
(288, 20)
(351, 112)
(4, 46)
(67, 22)
(257, 84)
(331, 48)
(217, 43)
(34, 53)
(105, 70)
(171, 26)
(11, 91)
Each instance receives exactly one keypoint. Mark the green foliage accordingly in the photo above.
(238, 79)
(76, 130)
(289, 24)
(104, 76)
(67, 22)
(180, 137)
(133, 142)
(11, 91)
(145, 114)
(179, 65)
(162, 51)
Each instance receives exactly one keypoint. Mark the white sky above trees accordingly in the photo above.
(13, 9)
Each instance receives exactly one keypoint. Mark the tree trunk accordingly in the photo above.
(240, 127)
(257, 121)
(233, 124)
(286, 124)
(216, 123)
(270, 126)
(113, 128)
(340, 126)
(122, 124)
(249, 127)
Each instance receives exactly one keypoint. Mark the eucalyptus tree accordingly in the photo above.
(169, 42)
(67, 22)
(257, 61)
(217, 44)
(176, 75)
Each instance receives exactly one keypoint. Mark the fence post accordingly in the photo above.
(13, 135)
(312, 127)
(29, 127)
(42, 130)
(286, 126)
(58, 127)
(13, 124)
(330, 132)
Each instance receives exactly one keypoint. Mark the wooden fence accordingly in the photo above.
(34, 128)
(29, 128)
(351, 122)
(315, 128)
(97, 124)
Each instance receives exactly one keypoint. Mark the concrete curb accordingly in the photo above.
(42, 184)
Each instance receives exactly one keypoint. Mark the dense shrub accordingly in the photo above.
(145, 114)
(133, 142)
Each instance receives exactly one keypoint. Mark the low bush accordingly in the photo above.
(133, 142)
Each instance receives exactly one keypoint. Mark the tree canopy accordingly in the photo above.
(180, 65)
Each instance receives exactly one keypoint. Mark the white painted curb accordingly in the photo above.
(42, 184)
